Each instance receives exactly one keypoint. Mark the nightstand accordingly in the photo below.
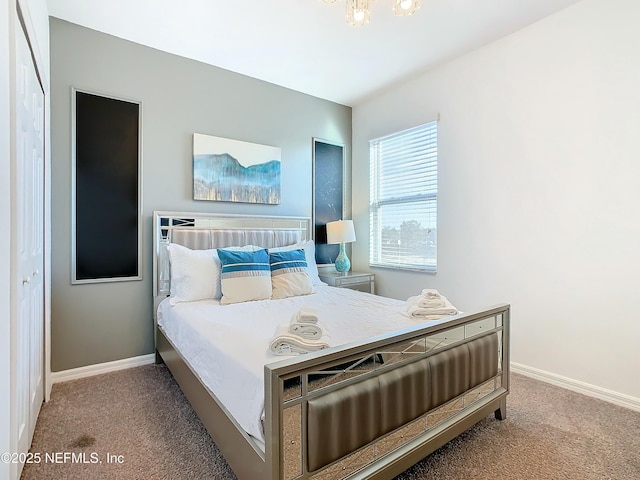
(363, 282)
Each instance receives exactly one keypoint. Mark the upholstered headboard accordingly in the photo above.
(201, 231)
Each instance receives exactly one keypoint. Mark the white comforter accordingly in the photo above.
(228, 345)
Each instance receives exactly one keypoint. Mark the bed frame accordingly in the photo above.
(369, 409)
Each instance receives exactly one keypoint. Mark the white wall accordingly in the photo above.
(539, 167)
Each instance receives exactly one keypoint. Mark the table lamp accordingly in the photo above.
(341, 231)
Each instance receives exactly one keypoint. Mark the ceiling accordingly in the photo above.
(305, 45)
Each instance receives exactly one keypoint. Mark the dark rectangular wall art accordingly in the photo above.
(328, 195)
(106, 149)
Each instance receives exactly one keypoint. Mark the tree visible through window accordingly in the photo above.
(404, 198)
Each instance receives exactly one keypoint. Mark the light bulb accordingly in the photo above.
(358, 12)
(406, 7)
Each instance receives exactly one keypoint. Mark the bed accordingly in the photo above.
(377, 401)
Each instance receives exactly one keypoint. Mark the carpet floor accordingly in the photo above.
(136, 424)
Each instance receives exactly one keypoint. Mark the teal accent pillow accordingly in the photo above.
(289, 274)
(245, 276)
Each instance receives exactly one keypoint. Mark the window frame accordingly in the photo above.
(426, 136)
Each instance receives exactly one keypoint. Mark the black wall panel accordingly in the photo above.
(107, 184)
(328, 193)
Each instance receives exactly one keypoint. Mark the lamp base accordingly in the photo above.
(342, 261)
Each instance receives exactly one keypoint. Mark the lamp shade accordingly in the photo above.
(341, 231)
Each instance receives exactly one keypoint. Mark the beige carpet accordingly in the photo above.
(140, 417)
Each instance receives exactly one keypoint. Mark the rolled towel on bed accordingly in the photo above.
(284, 343)
(304, 323)
(309, 331)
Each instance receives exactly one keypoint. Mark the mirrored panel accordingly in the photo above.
(444, 412)
(479, 327)
(340, 373)
(443, 339)
(401, 436)
(401, 351)
(292, 441)
(479, 392)
(348, 465)
(292, 388)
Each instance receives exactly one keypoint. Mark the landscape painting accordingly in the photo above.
(226, 170)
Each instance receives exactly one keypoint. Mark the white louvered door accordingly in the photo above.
(28, 342)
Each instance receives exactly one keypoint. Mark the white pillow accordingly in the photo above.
(195, 274)
(310, 255)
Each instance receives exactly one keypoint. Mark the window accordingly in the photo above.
(404, 199)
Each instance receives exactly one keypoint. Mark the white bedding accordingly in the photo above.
(228, 346)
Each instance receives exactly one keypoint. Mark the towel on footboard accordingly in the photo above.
(284, 343)
(428, 302)
(418, 307)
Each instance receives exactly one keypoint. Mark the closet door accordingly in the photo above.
(28, 343)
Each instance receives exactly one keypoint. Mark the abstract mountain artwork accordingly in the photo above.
(226, 170)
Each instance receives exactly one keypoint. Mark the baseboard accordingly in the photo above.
(91, 370)
(610, 396)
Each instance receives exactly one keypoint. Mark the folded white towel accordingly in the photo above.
(311, 331)
(424, 302)
(420, 316)
(307, 315)
(284, 343)
(428, 314)
(415, 309)
(430, 293)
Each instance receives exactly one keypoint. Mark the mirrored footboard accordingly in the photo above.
(373, 409)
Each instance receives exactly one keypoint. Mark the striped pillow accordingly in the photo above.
(289, 274)
(245, 276)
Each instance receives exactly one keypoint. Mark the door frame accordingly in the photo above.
(32, 18)
(6, 274)
(24, 18)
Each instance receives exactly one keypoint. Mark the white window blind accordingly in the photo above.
(404, 199)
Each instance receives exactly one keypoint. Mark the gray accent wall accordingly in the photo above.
(98, 323)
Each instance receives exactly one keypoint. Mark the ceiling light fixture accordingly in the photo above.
(358, 13)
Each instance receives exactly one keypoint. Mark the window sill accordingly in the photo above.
(431, 270)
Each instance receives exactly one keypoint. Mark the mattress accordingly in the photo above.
(228, 346)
